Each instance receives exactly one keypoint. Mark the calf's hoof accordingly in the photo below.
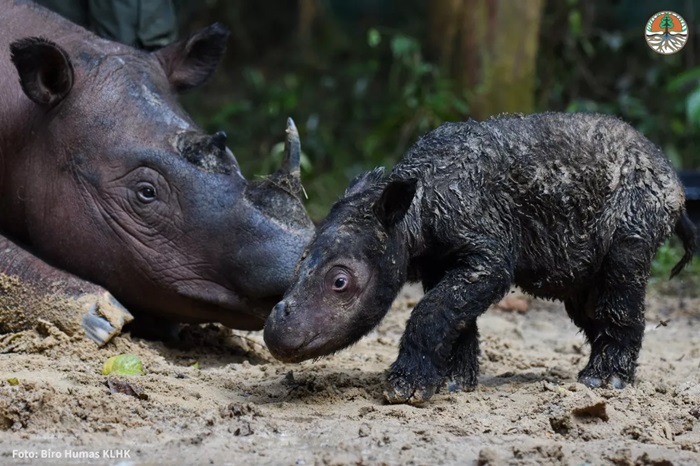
(412, 396)
(412, 390)
(456, 385)
(104, 316)
(592, 381)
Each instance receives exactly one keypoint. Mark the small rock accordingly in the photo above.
(561, 424)
(622, 457)
(364, 430)
(487, 457)
(645, 459)
(289, 379)
(244, 430)
(125, 387)
(695, 412)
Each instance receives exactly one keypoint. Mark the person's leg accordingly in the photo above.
(74, 10)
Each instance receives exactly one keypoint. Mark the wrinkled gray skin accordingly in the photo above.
(103, 175)
(567, 206)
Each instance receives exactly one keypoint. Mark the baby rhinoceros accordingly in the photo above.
(567, 206)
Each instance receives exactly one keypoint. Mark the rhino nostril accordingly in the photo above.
(281, 308)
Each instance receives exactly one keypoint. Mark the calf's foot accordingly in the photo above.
(612, 365)
(612, 381)
(412, 380)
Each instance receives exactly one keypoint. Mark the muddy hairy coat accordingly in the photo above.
(567, 206)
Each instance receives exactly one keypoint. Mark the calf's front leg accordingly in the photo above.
(439, 325)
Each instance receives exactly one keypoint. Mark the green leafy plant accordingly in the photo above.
(353, 114)
(686, 283)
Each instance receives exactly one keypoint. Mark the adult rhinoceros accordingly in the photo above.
(107, 187)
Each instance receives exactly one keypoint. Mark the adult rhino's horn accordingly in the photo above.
(219, 140)
(292, 151)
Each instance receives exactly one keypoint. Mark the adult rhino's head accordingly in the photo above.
(117, 185)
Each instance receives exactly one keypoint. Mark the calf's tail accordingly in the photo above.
(685, 230)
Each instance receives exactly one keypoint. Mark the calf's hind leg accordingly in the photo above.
(612, 314)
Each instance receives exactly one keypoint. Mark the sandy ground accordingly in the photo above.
(241, 407)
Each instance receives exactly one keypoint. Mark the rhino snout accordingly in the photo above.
(285, 339)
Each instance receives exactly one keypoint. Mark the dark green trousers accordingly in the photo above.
(147, 24)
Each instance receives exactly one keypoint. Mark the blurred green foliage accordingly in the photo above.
(352, 115)
(595, 65)
(365, 88)
(688, 281)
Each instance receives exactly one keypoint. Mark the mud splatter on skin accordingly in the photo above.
(31, 310)
(22, 307)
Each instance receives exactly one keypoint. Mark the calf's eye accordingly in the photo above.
(340, 283)
(340, 280)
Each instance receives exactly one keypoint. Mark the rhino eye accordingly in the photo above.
(340, 282)
(146, 192)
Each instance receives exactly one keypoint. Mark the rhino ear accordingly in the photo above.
(190, 62)
(363, 181)
(45, 70)
(395, 201)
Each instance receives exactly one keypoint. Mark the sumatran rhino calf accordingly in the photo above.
(567, 206)
(107, 187)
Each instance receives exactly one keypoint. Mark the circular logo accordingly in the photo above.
(666, 32)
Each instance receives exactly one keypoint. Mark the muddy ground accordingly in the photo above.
(241, 407)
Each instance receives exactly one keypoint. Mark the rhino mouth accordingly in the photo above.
(290, 347)
(227, 302)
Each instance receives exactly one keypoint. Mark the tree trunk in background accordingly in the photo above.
(490, 48)
(308, 11)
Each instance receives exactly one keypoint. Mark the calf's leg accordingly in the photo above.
(612, 314)
(464, 360)
(441, 323)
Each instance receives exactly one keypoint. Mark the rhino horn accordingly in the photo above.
(219, 140)
(292, 151)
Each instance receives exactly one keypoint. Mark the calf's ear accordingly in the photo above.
(45, 70)
(394, 202)
(190, 62)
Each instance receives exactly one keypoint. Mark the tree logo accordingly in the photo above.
(666, 32)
